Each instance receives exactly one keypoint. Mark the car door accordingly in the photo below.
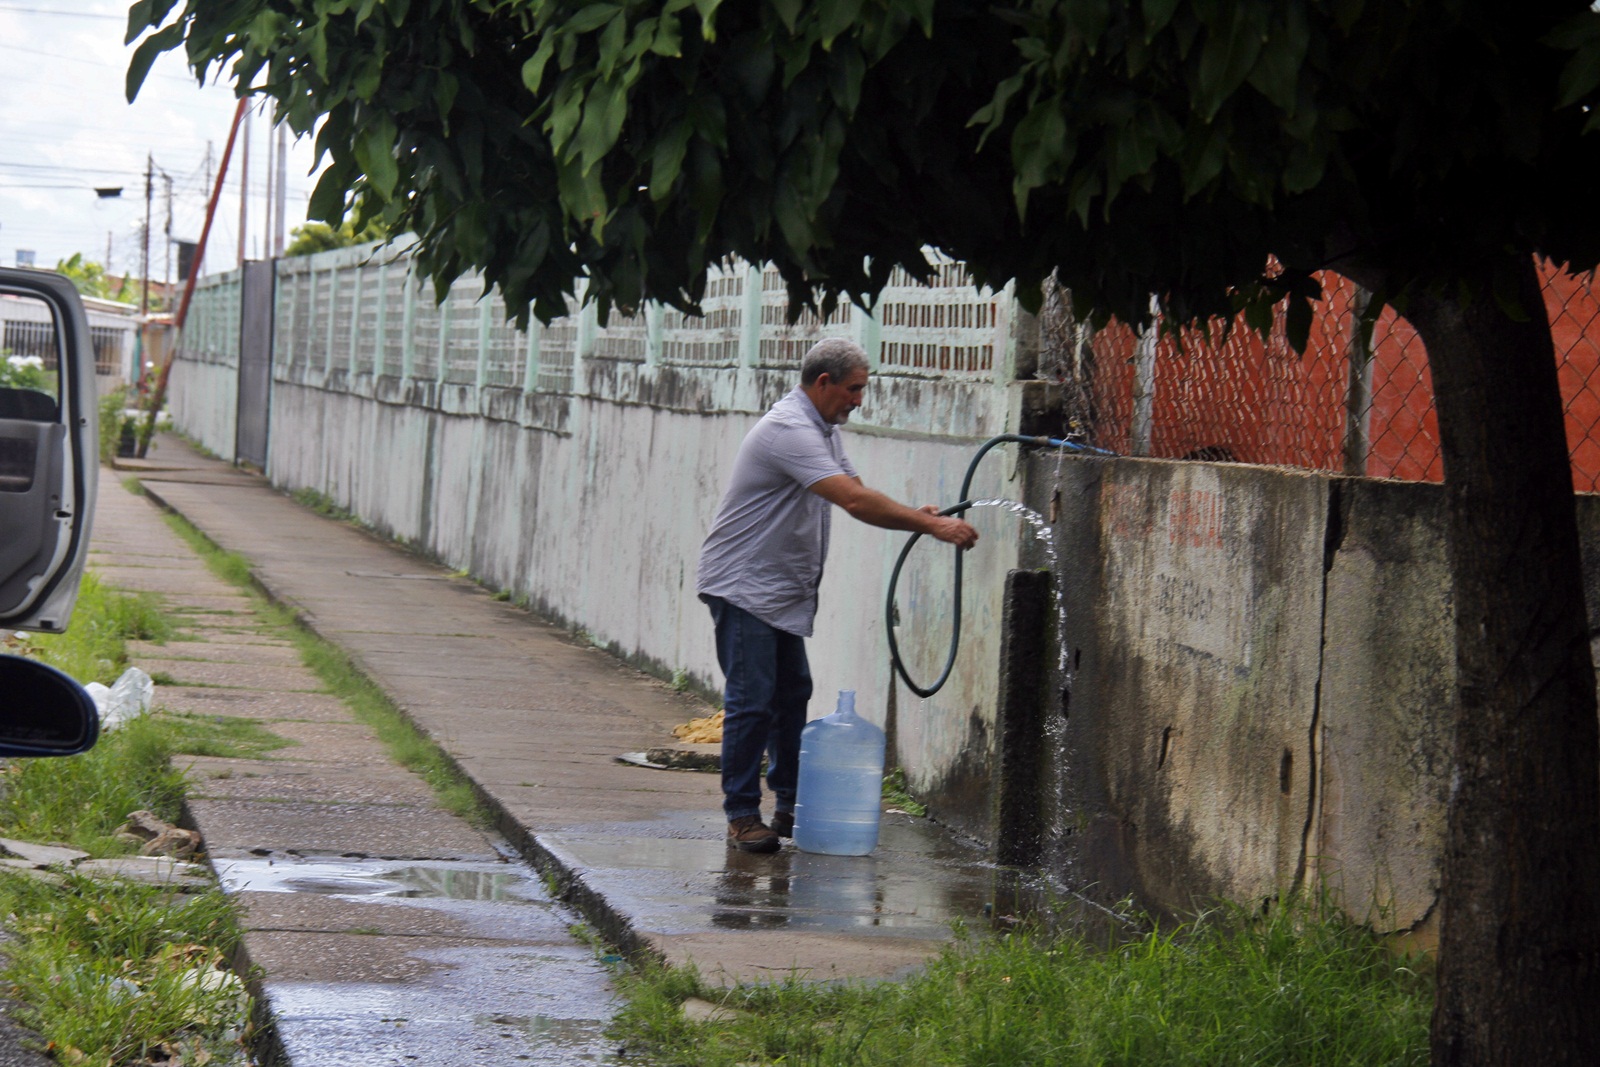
(49, 450)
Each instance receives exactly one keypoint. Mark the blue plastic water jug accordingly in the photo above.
(841, 783)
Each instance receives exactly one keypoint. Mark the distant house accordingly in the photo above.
(26, 329)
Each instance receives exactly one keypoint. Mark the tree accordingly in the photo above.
(320, 237)
(87, 276)
(1426, 148)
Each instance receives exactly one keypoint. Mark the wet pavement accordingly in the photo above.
(385, 930)
(379, 919)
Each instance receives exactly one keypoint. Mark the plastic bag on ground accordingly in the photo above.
(128, 698)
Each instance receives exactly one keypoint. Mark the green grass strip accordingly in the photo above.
(115, 972)
(1294, 988)
(93, 649)
(405, 744)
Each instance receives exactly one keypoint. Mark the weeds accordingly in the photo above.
(113, 971)
(405, 744)
(110, 971)
(322, 504)
(104, 620)
(82, 800)
(1294, 987)
(896, 793)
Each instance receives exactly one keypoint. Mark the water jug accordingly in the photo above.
(841, 782)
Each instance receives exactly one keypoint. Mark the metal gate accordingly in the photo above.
(255, 361)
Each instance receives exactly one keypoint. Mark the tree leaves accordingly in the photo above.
(374, 151)
(146, 53)
(1136, 146)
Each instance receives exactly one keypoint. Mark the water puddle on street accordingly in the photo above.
(385, 878)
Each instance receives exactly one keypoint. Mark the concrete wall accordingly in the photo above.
(1262, 687)
(203, 399)
(593, 509)
(1250, 669)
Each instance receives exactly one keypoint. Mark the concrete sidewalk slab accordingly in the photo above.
(537, 720)
(448, 975)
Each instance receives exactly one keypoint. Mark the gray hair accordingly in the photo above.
(834, 356)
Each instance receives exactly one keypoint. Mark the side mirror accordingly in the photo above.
(44, 712)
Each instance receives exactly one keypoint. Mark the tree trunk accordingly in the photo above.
(1519, 951)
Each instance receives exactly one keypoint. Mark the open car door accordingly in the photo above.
(49, 448)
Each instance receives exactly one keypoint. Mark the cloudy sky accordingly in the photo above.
(66, 129)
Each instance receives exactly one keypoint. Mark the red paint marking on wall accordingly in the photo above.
(1194, 518)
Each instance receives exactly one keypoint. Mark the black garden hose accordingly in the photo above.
(956, 509)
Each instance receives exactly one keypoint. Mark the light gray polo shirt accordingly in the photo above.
(770, 537)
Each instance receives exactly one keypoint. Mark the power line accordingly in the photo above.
(97, 62)
(62, 14)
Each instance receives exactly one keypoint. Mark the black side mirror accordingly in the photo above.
(43, 712)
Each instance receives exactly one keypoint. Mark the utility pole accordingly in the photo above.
(199, 253)
(266, 240)
(283, 184)
(168, 178)
(244, 183)
(149, 194)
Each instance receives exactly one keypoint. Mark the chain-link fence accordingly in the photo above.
(1340, 406)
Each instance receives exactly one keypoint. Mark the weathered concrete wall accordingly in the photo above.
(203, 398)
(1262, 688)
(594, 509)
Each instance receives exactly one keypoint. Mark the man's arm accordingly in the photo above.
(876, 509)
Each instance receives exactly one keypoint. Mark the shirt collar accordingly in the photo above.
(804, 403)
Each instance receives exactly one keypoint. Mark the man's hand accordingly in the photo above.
(875, 509)
(950, 529)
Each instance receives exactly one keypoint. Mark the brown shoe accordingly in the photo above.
(750, 834)
(783, 823)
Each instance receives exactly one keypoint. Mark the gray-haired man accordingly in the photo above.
(760, 568)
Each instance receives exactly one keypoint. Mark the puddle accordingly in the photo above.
(429, 964)
(382, 878)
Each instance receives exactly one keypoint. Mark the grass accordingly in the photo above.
(322, 504)
(80, 801)
(110, 971)
(1231, 988)
(899, 796)
(341, 678)
(104, 620)
(115, 972)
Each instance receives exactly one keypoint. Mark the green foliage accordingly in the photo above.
(26, 372)
(112, 972)
(1136, 148)
(111, 420)
(320, 237)
(897, 794)
(87, 276)
(104, 620)
(81, 800)
(1293, 987)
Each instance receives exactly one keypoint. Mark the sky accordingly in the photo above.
(66, 129)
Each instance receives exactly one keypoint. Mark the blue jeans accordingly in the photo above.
(764, 708)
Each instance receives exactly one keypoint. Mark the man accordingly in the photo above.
(760, 568)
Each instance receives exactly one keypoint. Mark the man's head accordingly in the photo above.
(834, 376)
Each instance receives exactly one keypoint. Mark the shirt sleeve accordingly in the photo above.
(803, 455)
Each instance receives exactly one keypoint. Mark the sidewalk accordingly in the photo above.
(537, 722)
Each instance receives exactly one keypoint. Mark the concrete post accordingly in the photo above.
(1019, 717)
(1358, 395)
(485, 304)
(1144, 385)
(381, 321)
(750, 319)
